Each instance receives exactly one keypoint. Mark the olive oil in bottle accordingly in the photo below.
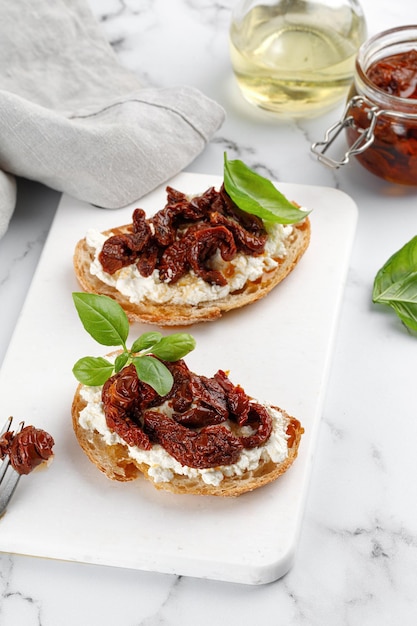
(295, 57)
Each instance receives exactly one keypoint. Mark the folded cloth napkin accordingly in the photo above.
(73, 118)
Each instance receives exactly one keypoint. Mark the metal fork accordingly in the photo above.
(9, 478)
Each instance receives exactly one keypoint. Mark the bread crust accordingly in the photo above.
(114, 461)
(185, 314)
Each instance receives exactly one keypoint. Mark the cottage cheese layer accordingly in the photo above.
(163, 467)
(191, 289)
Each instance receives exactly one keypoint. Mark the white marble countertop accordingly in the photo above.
(357, 557)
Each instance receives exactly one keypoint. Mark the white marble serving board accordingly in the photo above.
(279, 349)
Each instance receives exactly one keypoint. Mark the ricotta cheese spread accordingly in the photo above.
(163, 467)
(191, 289)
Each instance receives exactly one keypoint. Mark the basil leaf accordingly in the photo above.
(151, 371)
(257, 195)
(121, 361)
(146, 340)
(92, 371)
(407, 314)
(103, 318)
(174, 347)
(396, 284)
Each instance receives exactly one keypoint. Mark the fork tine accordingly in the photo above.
(7, 426)
(3, 468)
(6, 462)
(8, 480)
(8, 486)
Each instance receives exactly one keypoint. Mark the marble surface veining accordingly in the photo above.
(356, 563)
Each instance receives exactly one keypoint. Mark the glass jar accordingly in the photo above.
(380, 118)
(295, 57)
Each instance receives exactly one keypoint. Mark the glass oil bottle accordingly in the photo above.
(295, 57)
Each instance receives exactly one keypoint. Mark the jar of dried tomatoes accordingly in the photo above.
(380, 117)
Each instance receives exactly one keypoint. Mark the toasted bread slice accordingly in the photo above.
(168, 314)
(117, 464)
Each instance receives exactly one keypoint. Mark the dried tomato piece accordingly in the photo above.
(199, 207)
(190, 209)
(237, 400)
(5, 441)
(120, 423)
(251, 223)
(164, 230)
(396, 74)
(27, 449)
(258, 417)
(177, 211)
(209, 404)
(124, 396)
(246, 242)
(174, 195)
(148, 260)
(203, 244)
(116, 253)
(122, 249)
(181, 395)
(140, 227)
(210, 447)
(174, 262)
(196, 434)
(208, 392)
(122, 388)
(198, 416)
(185, 234)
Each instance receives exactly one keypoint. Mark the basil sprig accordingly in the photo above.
(105, 320)
(257, 195)
(396, 284)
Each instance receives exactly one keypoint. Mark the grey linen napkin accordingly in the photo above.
(73, 118)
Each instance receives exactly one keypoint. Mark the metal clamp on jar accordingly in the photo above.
(380, 118)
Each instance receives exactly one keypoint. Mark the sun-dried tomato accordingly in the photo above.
(202, 427)
(396, 74)
(174, 262)
(199, 207)
(27, 449)
(181, 395)
(5, 442)
(164, 230)
(174, 195)
(237, 400)
(124, 396)
(251, 222)
(209, 447)
(148, 260)
(203, 245)
(246, 241)
(259, 418)
(122, 249)
(248, 229)
(141, 229)
(198, 416)
(393, 153)
(178, 211)
(185, 235)
(116, 253)
(209, 404)
(208, 392)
